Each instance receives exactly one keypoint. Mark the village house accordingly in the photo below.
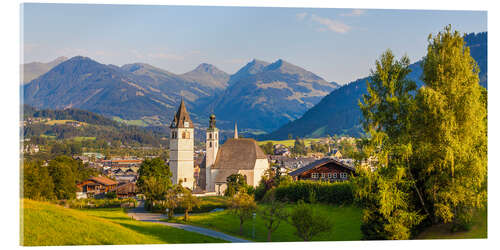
(95, 186)
(280, 149)
(291, 163)
(123, 174)
(126, 190)
(326, 169)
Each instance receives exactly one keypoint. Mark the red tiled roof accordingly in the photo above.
(103, 180)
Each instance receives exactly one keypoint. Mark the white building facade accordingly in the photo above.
(182, 148)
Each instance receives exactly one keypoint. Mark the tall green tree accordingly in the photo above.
(273, 214)
(235, 184)
(243, 206)
(387, 194)
(307, 222)
(450, 132)
(63, 171)
(188, 201)
(37, 183)
(157, 168)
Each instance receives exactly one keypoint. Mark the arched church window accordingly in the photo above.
(210, 145)
(210, 136)
(187, 135)
(184, 135)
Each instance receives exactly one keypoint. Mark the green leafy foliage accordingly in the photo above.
(243, 206)
(235, 184)
(337, 193)
(273, 215)
(307, 222)
(450, 134)
(430, 147)
(56, 180)
(188, 202)
(387, 194)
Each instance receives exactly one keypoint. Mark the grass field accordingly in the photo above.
(46, 224)
(478, 230)
(140, 123)
(83, 138)
(290, 143)
(62, 122)
(346, 224)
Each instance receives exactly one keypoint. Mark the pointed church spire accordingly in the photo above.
(181, 118)
(235, 130)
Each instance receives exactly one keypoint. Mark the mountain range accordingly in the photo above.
(272, 93)
(30, 71)
(339, 113)
(275, 99)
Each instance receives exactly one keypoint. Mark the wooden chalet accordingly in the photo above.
(327, 169)
(126, 190)
(97, 185)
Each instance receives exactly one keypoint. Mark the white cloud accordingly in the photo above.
(330, 24)
(354, 12)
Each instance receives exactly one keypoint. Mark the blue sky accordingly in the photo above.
(337, 44)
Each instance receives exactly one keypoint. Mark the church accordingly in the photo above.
(236, 156)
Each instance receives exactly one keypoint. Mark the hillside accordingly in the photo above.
(266, 96)
(30, 71)
(208, 76)
(339, 113)
(83, 83)
(45, 224)
(92, 126)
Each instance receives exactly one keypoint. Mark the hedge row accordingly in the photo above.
(99, 203)
(207, 204)
(336, 193)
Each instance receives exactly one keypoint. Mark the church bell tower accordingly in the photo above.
(212, 147)
(182, 148)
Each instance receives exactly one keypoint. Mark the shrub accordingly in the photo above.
(207, 204)
(99, 203)
(336, 193)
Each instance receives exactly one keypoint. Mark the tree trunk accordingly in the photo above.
(241, 227)
(186, 215)
(269, 236)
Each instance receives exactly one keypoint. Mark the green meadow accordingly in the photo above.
(346, 224)
(46, 224)
(291, 142)
(478, 229)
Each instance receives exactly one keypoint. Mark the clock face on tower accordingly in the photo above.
(186, 124)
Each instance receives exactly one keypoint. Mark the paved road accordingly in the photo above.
(140, 214)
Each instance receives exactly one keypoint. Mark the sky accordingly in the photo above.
(339, 45)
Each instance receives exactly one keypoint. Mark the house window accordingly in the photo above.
(343, 175)
(323, 175)
(335, 175)
(315, 175)
(329, 175)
